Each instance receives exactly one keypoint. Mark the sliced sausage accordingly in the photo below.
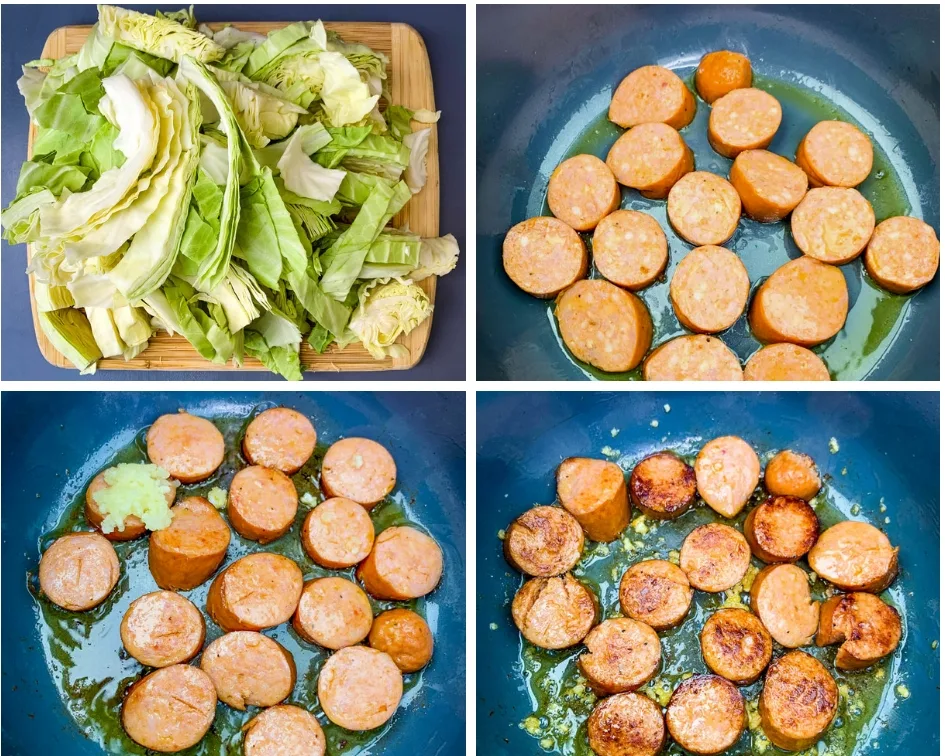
(131, 527)
(785, 362)
(582, 191)
(663, 486)
(727, 471)
(630, 249)
(651, 157)
(404, 636)
(692, 358)
(832, 225)
(623, 654)
(791, 473)
(262, 503)
(709, 289)
(902, 255)
(735, 645)
(555, 612)
(333, 612)
(780, 596)
(868, 628)
(604, 325)
(359, 688)
(704, 208)
(834, 153)
(255, 592)
(652, 94)
(78, 571)
(656, 592)
(714, 557)
(162, 628)
(595, 492)
(803, 302)
(769, 185)
(706, 714)
(189, 550)
(283, 729)
(720, 72)
(280, 438)
(358, 469)
(855, 556)
(798, 702)
(338, 533)
(544, 541)
(543, 256)
(781, 529)
(404, 564)
(189, 448)
(744, 119)
(628, 724)
(249, 669)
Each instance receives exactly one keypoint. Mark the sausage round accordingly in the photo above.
(652, 94)
(868, 628)
(627, 724)
(280, 438)
(255, 592)
(623, 654)
(785, 362)
(656, 592)
(405, 637)
(170, 709)
(544, 541)
(714, 557)
(595, 492)
(132, 527)
(162, 628)
(582, 191)
(189, 448)
(735, 645)
(555, 612)
(249, 669)
(358, 469)
(791, 473)
(692, 358)
(604, 325)
(720, 72)
(630, 249)
(281, 730)
(703, 208)
(706, 714)
(781, 529)
(359, 688)
(650, 157)
(189, 550)
(727, 471)
(834, 153)
(855, 556)
(832, 224)
(769, 185)
(744, 119)
(902, 255)
(78, 571)
(663, 486)
(709, 289)
(803, 302)
(544, 256)
(798, 702)
(404, 564)
(338, 533)
(333, 612)
(262, 503)
(780, 596)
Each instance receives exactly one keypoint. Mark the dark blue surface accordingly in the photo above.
(443, 29)
(48, 434)
(889, 444)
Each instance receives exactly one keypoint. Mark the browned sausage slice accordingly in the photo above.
(170, 709)
(404, 564)
(720, 72)
(582, 191)
(255, 592)
(791, 473)
(78, 571)
(284, 729)
(692, 358)
(188, 552)
(781, 529)
(706, 714)
(262, 503)
(249, 669)
(404, 636)
(727, 471)
(744, 119)
(543, 256)
(628, 724)
(338, 533)
(554, 612)
(903, 254)
(651, 157)
(780, 596)
(736, 645)
(703, 208)
(714, 557)
(333, 612)
(785, 362)
(855, 556)
(595, 492)
(630, 249)
(709, 289)
(132, 527)
(652, 94)
(832, 225)
(358, 469)
(623, 654)
(189, 448)
(359, 688)
(834, 153)
(656, 592)
(280, 438)
(769, 185)
(544, 541)
(162, 628)
(868, 628)
(663, 486)
(798, 702)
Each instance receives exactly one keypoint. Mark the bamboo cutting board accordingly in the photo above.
(411, 84)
